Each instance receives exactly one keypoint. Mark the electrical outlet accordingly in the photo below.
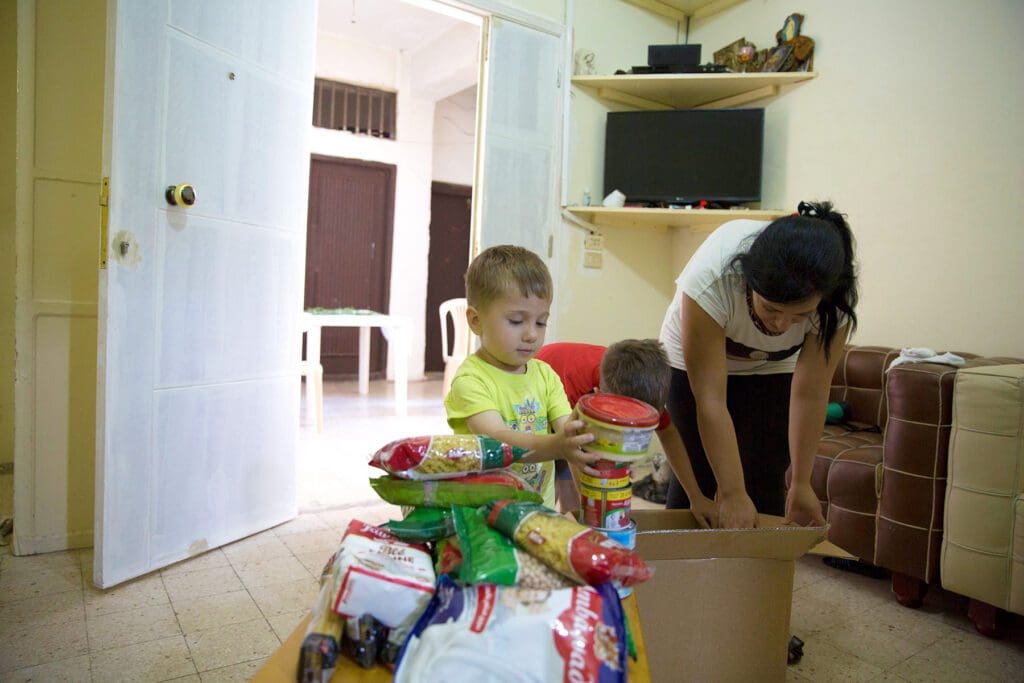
(595, 242)
(593, 259)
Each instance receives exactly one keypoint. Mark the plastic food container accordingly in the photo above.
(622, 426)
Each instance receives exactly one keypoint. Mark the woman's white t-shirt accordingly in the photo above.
(709, 280)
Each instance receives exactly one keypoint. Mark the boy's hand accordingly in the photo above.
(569, 441)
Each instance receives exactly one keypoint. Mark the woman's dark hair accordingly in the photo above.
(798, 256)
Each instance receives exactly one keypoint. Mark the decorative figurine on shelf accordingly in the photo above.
(583, 62)
(731, 56)
(793, 52)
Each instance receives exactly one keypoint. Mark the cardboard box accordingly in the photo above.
(717, 608)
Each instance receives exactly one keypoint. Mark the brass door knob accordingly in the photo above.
(183, 195)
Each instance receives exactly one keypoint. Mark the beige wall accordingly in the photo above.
(59, 140)
(911, 128)
(8, 85)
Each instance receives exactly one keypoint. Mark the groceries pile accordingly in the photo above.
(478, 579)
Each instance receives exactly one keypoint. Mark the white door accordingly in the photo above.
(198, 317)
(521, 154)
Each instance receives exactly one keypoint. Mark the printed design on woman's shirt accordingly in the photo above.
(738, 351)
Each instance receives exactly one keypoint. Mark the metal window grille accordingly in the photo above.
(359, 110)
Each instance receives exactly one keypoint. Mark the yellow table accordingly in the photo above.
(283, 665)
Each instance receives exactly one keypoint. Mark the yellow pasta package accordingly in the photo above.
(444, 456)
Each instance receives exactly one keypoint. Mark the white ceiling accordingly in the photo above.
(386, 23)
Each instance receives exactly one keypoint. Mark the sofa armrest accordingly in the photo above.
(914, 456)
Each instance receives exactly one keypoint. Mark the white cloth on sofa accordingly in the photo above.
(924, 355)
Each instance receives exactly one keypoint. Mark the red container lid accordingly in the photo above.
(618, 410)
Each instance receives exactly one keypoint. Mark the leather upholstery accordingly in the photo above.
(883, 491)
(983, 551)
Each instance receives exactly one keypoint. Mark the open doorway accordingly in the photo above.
(428, 62)
(427, 57)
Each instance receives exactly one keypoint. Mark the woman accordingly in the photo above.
(754, 333)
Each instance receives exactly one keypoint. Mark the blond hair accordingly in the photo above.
(637, 368)
(499, 270)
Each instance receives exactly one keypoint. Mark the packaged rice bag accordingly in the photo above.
(381, 576)
(503, 634)
(573, 550)
(489, 556)
(472, 489)
(444, 456)
(423, 524)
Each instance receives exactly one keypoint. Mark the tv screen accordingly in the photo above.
(684, 156)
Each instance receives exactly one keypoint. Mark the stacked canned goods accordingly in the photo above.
(623, 428)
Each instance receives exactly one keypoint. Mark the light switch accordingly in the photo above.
(593, 259)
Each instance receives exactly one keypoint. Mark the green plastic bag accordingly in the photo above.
(423, 524)
(488, 556)
(473, 490)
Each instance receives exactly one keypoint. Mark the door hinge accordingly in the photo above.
(104, 220)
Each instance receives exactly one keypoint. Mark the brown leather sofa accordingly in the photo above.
(882, 483)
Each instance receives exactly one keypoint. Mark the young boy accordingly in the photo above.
(500, 390)
(637, 368)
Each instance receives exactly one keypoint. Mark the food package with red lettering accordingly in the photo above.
(445, 456)
(576, 551)
(384, 577)
(502, 634)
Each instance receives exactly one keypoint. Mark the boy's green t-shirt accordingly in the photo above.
(529, 402)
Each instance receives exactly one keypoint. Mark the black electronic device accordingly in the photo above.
(673, 55)
(686, 155)
(681, 69)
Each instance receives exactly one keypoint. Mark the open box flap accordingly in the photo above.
(675, 534)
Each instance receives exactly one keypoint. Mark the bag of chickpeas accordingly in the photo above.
(488, 556)
(444, 456)
(576, 551)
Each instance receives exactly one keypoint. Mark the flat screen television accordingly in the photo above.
(684, 156)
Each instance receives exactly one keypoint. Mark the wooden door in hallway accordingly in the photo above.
(348, 252)
(447, 262)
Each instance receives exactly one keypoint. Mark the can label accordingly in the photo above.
(605, 508)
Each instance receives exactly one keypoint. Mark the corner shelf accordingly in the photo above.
(691, 91)
(695, 219)
(681, 10)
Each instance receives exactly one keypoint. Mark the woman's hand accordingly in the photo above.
(736, 511)
(704, 511)
(802, 506)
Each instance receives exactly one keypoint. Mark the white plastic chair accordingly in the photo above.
(456, 308)
(311, 369)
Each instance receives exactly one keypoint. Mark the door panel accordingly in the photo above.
(197, 417)
(348, 252)
(447, 261)
(522, 141)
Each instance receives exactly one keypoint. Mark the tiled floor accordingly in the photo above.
(218, 616)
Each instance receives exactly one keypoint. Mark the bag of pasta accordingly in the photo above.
(573, 550)
(505, 634)
(473, 490)
(488, 556)
(444, 456)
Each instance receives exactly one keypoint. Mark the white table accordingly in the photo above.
(396, 329)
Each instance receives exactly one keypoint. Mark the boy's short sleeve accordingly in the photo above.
(469, 395)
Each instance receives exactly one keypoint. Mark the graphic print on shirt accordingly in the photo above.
(736, 350)
(530, 419)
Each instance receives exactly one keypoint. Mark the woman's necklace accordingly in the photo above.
(753, 316)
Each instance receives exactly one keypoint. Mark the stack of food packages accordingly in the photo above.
(622, 429)
(478, 579)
